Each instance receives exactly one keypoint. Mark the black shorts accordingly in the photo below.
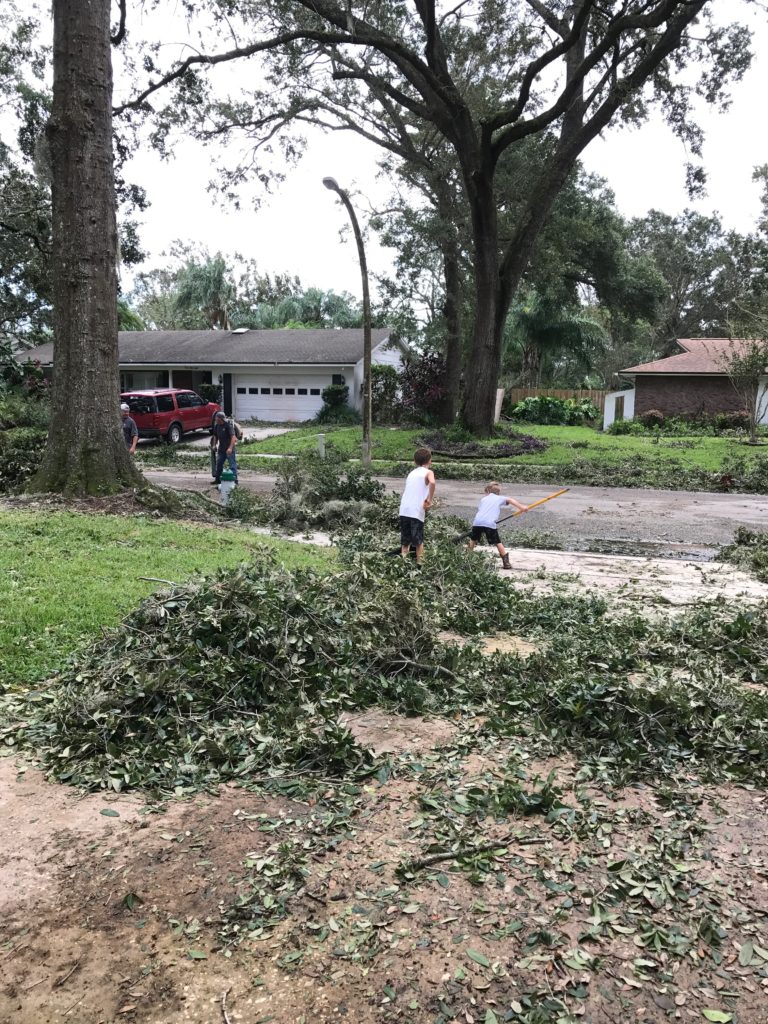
(411, 532)
(491, 534)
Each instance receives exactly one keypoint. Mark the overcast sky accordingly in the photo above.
(296, 228)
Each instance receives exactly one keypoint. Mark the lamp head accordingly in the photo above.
(332, 184)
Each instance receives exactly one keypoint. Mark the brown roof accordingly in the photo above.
(699, 355)
(236, 347)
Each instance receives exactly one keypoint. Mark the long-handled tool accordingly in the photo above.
(514, 515)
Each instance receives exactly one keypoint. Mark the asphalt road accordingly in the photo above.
(690, 520)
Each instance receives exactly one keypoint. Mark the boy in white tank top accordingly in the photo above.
(416, 501)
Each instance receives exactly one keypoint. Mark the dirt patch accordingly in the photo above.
(366, 936)
(384, 733)
(493, 644)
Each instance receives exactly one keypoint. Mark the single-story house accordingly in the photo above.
(694, 382)
(268, 375)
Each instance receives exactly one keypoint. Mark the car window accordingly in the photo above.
(140, 404)
(165, 403)
(184, 400)
(195, 401)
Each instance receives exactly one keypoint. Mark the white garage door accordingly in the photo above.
(281, 399)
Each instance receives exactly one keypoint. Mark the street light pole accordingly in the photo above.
(333, 185)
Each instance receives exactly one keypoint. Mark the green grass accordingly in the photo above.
(64, 575)
(565, 445)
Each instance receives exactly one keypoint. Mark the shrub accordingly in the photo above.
(737, 420)
(546, 409)
(338, 415)
(652, 418)
(19, 410)
(385, 388)
(211, 393)
(423, 386)
(21, 451)
(336, 395)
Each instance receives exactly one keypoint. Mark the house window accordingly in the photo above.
(314, 391)
(338, 378)
(302, 391)
(265, 391)
(290, 391)
(277, 391)
(241, 391)
(253, 391)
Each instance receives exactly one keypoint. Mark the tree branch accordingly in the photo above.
(119, 36)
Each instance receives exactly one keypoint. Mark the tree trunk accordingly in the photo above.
(86, 453)
(484, 363)
(452, 316)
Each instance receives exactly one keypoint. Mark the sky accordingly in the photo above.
(297, 228)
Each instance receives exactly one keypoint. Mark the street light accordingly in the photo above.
(333, 185)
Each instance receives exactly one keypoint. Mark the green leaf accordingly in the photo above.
(746, 953)
(131, 900)
(197, 954)
(490, 1017)
(410, 908)
(389, 992)
(718, 1016)
(479, 958)
(109, 812)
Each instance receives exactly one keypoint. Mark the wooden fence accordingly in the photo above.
(596, 396)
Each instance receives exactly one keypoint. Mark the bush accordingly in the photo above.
(423, 386)
(336, 409)
(737, 420)
(338, 415)
(546, 409)
(336, 395)
(652, 418)
(211, 393)
(19, 410)
(385, 388)
(21, 452)
(622, 427)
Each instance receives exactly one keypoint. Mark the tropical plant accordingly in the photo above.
(206, 287)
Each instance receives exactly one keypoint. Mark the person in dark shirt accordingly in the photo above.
(130, 430)
(226, 439)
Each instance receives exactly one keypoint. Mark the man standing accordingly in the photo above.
(130, 430)
(226, 439)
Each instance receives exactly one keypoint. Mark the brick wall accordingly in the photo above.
(679, 395)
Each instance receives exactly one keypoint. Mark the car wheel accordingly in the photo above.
(174, 433)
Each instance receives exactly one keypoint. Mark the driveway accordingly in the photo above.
(680, 521)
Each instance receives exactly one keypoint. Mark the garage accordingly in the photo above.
(280, 398)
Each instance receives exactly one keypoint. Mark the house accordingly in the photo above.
(268, 375)
(694, 382)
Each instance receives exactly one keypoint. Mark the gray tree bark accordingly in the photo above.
(86, 453)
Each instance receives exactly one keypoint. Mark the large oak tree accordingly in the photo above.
(486, 77)
(85, 451)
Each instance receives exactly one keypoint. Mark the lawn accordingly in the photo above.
(64, 575)
(565, 445)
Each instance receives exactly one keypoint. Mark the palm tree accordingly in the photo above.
(206, 288)
(540, 332)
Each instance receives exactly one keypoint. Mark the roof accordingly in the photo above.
(185, 348)
(699, 356)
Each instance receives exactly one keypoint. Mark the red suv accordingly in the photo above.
(169, 412)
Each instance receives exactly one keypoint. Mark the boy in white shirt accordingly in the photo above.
(416, 501)
(487, 517)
